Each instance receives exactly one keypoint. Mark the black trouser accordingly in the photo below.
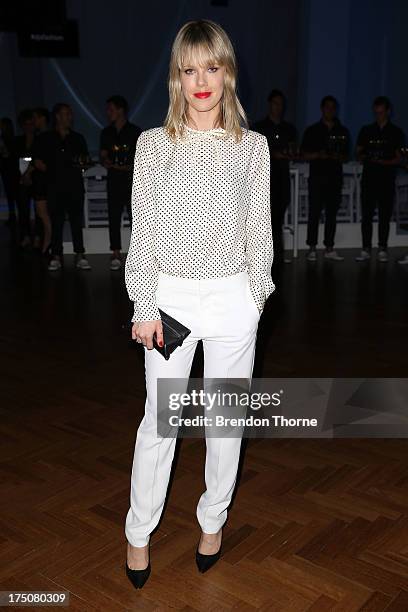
(119, 196)
(61, 201)
(38, 227)
(24, 195)
(324, 192)
(10, 177)
(280, 199)
(376, 189)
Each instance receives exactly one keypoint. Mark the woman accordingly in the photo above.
(23, 150)
(9, 167)
(43, 221)
(200, 249)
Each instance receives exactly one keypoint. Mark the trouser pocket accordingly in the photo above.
(252, 301)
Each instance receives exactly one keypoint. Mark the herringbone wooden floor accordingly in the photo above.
(315, 525)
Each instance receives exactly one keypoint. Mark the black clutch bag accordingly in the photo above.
(174, 334)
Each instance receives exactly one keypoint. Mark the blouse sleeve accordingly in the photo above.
(141, 268)
(259, 243)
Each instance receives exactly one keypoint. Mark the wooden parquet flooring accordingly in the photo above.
(315, 525)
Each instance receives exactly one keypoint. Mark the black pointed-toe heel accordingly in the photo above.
(204, 562)
(138, 577)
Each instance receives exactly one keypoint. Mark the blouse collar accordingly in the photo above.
(213, 135)
(211, 131)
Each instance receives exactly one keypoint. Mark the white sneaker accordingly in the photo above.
(82, 263)
(55, 264)
(312, 255)
(364, 255)
(333, 255)
(115, 263)
(403, 261)
(382, 255)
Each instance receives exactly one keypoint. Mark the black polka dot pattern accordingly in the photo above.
(201, 209)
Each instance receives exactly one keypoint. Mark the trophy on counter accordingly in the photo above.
(375, 149)
(115, 151)
(82, 161)
(404, 156)
(292, 150)
(336, 145)
(120, 155)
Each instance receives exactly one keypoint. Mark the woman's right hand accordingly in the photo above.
(143, 332)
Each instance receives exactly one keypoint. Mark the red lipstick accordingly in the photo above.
(202, 94)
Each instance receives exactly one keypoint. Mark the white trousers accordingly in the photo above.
(223, 314)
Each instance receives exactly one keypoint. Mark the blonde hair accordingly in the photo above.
(208, 42)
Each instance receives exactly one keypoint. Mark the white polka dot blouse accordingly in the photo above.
(200, 209)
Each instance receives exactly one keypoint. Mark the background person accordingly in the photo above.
(378, 146)
(43, 221)
(58, 154)
(325, 146)
(23, 148)
(9, 168)
(282, 137)
(117, 151)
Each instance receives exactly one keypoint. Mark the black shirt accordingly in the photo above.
(381, 143)
(21, 147)
(279, 135)
(60, 155)
(127, 137)
(16, 147)
(318, 137)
